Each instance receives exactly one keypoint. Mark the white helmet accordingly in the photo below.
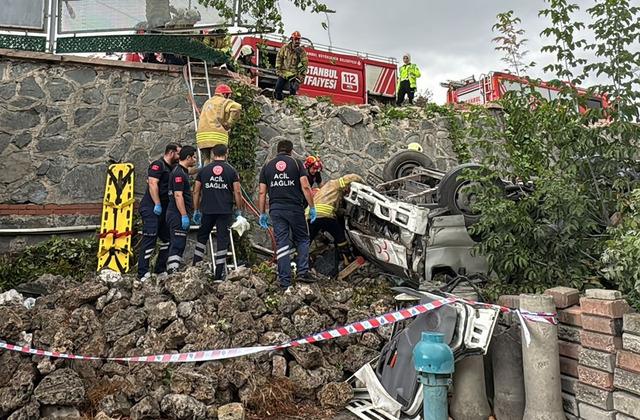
(246, 50)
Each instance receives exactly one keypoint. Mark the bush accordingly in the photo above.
(65, 257)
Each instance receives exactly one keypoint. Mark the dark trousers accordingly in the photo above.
(405, 89)
(222, 222)
(178, 239)
(153, 228)
(335, 227)
(280, 85)
(285, 221)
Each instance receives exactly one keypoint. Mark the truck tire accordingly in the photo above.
(401, 164)
(454, 194)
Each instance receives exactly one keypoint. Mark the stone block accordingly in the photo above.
(589, 412)
(620, 416)
(233, 411)
(626, 403)
(509, 301)
(628, 361)
(594, 396)
(569, 404)
(597, 359)
(603, 294)
(570, 316)
(568, 384)
(631, 342)
(608, 308)
(601, 324)
(631, 323)
(569, 366)
(569, 333)
(603, 342)
(568, 349)
(595, 377)
(628, 381)
(570, 416)
(563, 297)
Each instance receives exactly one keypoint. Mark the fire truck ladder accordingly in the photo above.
(193, 74)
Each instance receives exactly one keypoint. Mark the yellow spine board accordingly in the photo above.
(114, 250)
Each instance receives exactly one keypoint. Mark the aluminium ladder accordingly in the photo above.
(192, 81)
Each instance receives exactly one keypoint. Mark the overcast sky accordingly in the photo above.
(447, 39)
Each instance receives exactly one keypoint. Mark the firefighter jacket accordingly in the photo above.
(328, 198)
(218, 115)
(292, 62)
(409, 72)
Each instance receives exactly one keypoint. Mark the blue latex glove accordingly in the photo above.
(197, 217)
(157, 209)
(313, 215)
(185, 222)
(264, 221)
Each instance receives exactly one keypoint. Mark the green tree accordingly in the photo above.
(579, 162)
(263, 15)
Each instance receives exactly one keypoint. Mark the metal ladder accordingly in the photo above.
(192, 68)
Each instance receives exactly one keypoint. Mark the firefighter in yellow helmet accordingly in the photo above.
(218, 116)
(416, 147)
(291, 66)
(328, 201)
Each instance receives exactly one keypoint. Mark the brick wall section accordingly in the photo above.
(626, 398)
(592, 349)
(50, 209)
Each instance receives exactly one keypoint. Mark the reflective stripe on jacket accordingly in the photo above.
(328, 198)
(217, 117)
(409, 72)
(292, 62)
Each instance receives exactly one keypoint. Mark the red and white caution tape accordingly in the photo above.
(208, 355)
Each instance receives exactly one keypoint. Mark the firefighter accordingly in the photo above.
(328, 201)
(245, 62)
(180, 207)
(217, 187)
(285, 180)
(409, 73)
(291, 66)
(314, 166)
(219, 114)
(153, 210)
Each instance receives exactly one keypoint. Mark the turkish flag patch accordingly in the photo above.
(179, 180)
(217, 170)
(155, 167)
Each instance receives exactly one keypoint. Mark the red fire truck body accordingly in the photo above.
(493, 86)
(347, 77)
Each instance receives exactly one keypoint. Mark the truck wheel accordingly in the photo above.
(401, 164)
(457, 193)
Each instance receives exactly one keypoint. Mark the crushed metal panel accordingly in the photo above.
(382, 249)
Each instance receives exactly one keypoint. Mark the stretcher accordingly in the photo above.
(114, 250)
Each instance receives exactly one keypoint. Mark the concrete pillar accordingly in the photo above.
(508, 384)
(469, 401)
(541, 364)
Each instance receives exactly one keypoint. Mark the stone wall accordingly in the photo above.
(63, 119)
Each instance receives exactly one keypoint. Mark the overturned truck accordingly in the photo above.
(415, 222)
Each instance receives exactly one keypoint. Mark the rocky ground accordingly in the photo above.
(115, 316)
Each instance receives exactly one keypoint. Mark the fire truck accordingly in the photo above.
(491, 87)
(344, 76)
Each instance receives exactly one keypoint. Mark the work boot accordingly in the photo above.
(307, 277)
(145, 277)
(162, 276)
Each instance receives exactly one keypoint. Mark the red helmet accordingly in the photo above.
(222, 89)
(296, 35)
(313, 162)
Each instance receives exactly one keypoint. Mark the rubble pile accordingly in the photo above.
(112, 316)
